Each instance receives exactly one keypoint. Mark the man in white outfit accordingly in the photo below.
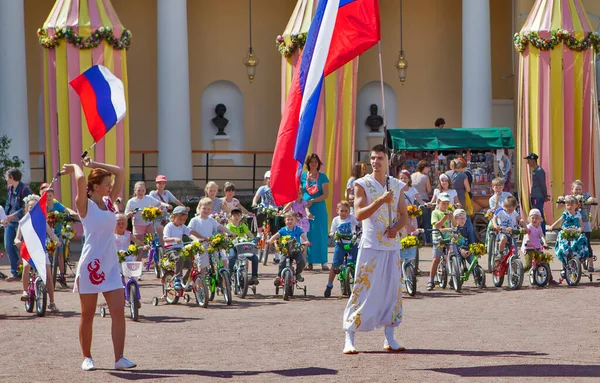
(376, 299)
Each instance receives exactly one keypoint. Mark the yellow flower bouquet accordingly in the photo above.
(539, 256)
(413, 211)
(477, 249)
(409, 241)
(167, 263)
(50, 246)
(217, 242)
(151, 213)
(191, 249)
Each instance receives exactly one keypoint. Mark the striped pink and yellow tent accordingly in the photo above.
(557, 102)
(76, 35)
(334, 130)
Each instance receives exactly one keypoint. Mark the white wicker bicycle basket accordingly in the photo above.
(245, 249)
(131, 269)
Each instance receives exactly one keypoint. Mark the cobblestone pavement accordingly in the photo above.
(530, 335)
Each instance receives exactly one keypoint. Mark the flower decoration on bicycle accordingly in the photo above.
(570, 233)
(191, 250)
(477, 249)
(489, 214)
(268, 211)
(220, 217)
(167, 262)
(50, 246)
(67, 232)
(55, 218)
(348, 240)
(151, 213)
(539, 256)
(409, 241)
(286, 246)
(129, 254)
(217, 243)
(414, 211)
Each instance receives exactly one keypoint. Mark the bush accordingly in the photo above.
(6, 162)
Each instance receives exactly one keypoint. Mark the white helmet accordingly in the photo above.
(268, 174)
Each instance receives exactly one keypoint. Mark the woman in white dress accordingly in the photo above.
(98, 270)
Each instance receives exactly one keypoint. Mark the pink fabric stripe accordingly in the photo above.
(547, 18)
(120, 128)
(116, 25)
(530, 19)
(73, 17)
(567, 18)
(52, 20)
(569, 116)
(588, 114)
(74, 110)
(53, 116)
(353, 109)
(544, 117)
(583, 18)
(95, 21)
(98, 59)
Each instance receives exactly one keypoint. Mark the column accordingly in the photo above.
(476, 64)
(174, 140)
(13, 82)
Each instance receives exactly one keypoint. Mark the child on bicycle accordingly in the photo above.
(460, 222)
(134, 209)
(210, 191)
(299, 236)
(240, 229)
(504, 220)
(441, 218)
(577, 190)
(30, 202)
(123, 238)
(345, 224)
(265, 195)
(570, 218)
(205, 225)
(173, 237)
(229, 202)
(496, 201)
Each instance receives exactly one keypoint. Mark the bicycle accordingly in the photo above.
(449, 263)
(539, 274)
(347, 270)
(132, 271)
(473, 268)
(37, 296)
(198, 287)
(67, 234)
(244, 250)
(509, 262)
(218, 277)
(262, 245)
(288, 281)
(571, 265)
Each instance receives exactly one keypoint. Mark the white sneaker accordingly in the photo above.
(124, 364)
(88, 365)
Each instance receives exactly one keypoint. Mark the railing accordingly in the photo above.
(206, 168)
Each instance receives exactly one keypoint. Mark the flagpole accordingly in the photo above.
(85, 153)
(385, 141)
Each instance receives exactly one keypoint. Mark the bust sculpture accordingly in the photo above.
(220, 121)
(374, 121)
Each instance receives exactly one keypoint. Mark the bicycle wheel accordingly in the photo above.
(41, 297)
(573, 271)
(242, 282)
(515, 274)
(491, 252)
(479, 277)
(456, 272)
(496, 274)
(54, 267)
(157, 257)
(226, 286)
(287, 285)
(441, 275)
(410, 278)
(348, 281)
(265, 254)
(201, 290)
(133, 303)
(169, 288)
(541, 275)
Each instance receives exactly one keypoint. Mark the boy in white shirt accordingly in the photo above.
(345, 224)
(173, 237)
(497, 200)
(506, 219)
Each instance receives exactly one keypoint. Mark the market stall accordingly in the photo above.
(488, 151)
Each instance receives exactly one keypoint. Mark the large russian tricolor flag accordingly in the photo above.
(33, 229)
(340, 31)
(102, 97)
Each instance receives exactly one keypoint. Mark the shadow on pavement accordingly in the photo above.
(153, 374)
(474, 353)
(166, 319)
(525, 370)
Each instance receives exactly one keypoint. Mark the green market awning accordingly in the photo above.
(450, 139)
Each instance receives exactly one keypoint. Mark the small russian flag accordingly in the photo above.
(102, 97)
(33, 228)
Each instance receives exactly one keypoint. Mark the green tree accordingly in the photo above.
(6, 162)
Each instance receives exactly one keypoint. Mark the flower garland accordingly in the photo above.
(592, 40)
(298, 41)
(93, 41)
